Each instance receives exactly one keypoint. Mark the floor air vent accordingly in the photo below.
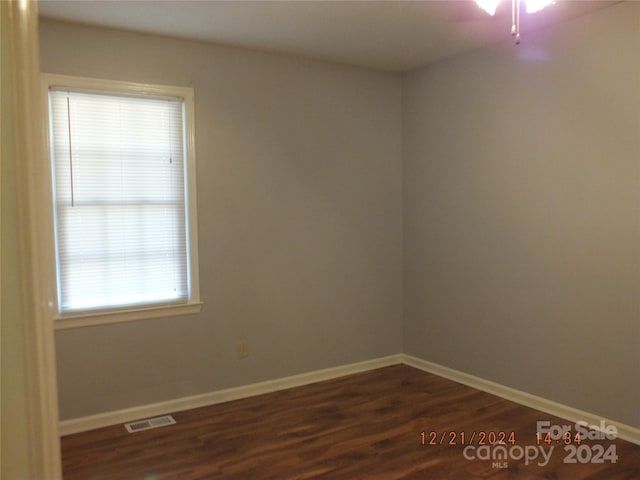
(149, 423)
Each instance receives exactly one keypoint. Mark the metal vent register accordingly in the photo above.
(149, 423)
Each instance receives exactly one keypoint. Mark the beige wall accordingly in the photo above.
(299, 217)
(521, 196)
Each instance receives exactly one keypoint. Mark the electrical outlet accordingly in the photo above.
(243, 349)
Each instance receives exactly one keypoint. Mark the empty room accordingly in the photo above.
(320, 239)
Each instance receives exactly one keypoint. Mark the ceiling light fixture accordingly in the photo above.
(533, 6)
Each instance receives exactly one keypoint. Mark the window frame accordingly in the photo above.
(142, 311)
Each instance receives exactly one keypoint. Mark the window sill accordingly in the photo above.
(101, 318)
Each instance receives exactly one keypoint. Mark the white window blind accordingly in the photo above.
(120, 200)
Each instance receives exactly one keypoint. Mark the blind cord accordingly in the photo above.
(70, 152)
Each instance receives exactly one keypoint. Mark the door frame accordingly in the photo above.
(22, 110)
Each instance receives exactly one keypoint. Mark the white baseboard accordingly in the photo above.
(83, 424)
(625, 432)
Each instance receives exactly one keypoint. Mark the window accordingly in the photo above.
(123, 199)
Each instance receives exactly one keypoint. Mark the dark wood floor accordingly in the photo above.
(367, 425)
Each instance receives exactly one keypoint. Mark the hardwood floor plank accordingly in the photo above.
(366, 425)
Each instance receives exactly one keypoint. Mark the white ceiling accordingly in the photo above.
(394, 35)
